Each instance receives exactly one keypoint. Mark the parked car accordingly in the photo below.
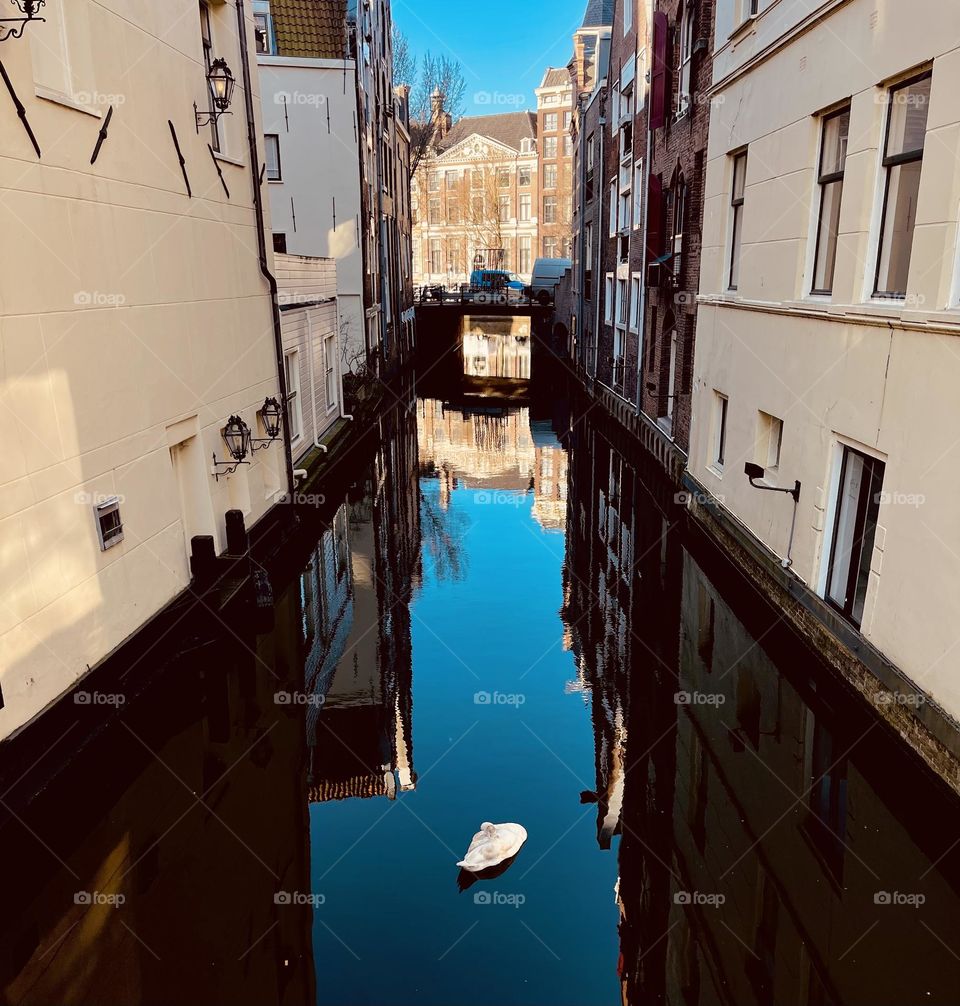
(496, 281)
(547, 273)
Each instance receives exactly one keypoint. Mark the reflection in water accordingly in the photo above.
(711, 819)
(496, 347)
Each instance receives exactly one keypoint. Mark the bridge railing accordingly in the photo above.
(438, 295)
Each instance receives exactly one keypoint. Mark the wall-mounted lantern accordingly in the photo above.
(754, 472)
(271, 415)
(221, 82)
(12, 27)
(236, 435)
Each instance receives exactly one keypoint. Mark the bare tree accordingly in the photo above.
(404, 61)
(438, 90)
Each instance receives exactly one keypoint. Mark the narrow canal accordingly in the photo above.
(503, 616)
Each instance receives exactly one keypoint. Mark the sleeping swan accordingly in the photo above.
(493, 844)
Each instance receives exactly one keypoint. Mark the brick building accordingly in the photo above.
(679, 120)
(555, 144)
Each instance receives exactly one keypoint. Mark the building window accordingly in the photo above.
(549, 147)
(503, 204)
(436, 256)
(478, 206)
(613, 208)
(523, 177)
(433, 182)
(550, 176)
(549, 209)
(206, 34)
(435, 211)
(833, 156)
(526, 254)
(280, 244)
(551, 248)
(503, 178)
(453, 212)
(855, 526)
(769, 441)
(551, 122)
(720, 406)
(567, 120)
(272, 148)
(526, 206)
(608, 299)
(679, 213)
(736, 217)
(568, 146)
(291, 371)
(476, 178)
(109, 524)
(330, 370)
(903, 158)
(635, 302)
(627, 17)
(450, 180)
(588, 262)
(686, 57)
(623, 302)
(263, 28)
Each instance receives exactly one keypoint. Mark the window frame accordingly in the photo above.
(823, 180)
(110, 537)
(294, 405)
(736, 221)
(887, 164)
(275, 137)
(721, 426)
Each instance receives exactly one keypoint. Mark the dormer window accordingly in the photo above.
(263, 28)
(526, 146)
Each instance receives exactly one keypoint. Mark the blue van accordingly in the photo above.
(496, 281)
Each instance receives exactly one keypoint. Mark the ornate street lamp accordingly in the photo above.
(221, 82)
(271, 415)
(236, 435)
(12, 27)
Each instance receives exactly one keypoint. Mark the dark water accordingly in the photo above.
(504, 618)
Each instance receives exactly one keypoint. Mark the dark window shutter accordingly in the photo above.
(654, 218)
(658, 76)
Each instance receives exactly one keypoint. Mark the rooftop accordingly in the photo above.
(599, 14)
(508, 128)
(311, 28)
(556, 77)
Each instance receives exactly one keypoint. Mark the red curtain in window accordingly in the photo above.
(658, 76)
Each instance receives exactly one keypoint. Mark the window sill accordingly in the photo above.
(58, 98)
(226, 159)
(715, 470)
(744, 28)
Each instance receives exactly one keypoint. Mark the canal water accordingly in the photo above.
(502, 616)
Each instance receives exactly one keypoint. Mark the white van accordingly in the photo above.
(547, 273)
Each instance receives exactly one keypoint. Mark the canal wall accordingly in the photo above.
(915, 717)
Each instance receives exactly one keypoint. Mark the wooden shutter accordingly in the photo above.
(654, 218)
(658, 76)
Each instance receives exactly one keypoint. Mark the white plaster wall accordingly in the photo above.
(130, 316)
(842, 369)
(311, 105)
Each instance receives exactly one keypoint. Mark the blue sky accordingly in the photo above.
(504, 46)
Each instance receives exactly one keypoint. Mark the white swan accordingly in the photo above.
(493, 844)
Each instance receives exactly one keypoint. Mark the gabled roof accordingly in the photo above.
(556, 77)
(315, 29)
(599, 14)
(508, 128)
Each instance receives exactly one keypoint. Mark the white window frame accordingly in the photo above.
(720, 437)
(613, 208)
(637, 193)
(608, 298)
(330, 371)
(294, 403)
(104, 508)
(261, 8)
(275, 137)
(627, 17)
(636, 288)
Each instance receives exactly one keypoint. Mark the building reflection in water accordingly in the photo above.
(356, 592)
(496, 347)
(764, 823)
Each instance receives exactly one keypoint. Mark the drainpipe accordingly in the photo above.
(261, 230)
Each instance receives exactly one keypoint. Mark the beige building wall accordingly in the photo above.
(845, 369)
(134, 321)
